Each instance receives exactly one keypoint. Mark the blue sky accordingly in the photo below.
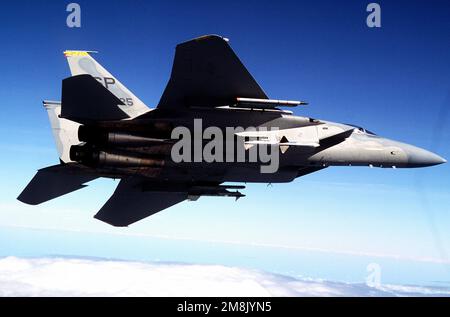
(393, 80)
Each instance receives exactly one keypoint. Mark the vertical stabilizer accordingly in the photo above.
(82, 63)
(65, 132)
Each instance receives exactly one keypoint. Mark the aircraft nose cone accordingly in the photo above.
(418, 157)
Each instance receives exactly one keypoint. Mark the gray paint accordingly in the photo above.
(127, 140)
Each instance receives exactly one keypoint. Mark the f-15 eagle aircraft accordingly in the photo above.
(102, 129)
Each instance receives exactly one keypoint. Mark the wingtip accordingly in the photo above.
(117, 224)
(206, 37)
(28, 201)
(211, 36)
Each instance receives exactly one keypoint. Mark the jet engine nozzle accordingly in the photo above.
(99, 158)
(82, 154)
(96, 136)
(91, 135)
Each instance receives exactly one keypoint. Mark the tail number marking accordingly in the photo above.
(108, 81)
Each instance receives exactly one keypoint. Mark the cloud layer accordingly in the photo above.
(88, 277)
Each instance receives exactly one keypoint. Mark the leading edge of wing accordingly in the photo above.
(130, 203)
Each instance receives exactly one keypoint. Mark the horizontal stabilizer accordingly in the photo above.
(130, 203)
(52, 182)
(85, 99)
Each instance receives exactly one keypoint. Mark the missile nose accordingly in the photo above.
(418, 157)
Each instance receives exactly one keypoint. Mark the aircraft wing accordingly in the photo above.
(207, 73)
(130, 203)
(309, 170)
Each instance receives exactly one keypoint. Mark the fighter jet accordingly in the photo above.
(213, 129)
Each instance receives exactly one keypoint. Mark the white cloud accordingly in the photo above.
(90, 277)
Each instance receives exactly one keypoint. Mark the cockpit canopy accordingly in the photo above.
(361, 129)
